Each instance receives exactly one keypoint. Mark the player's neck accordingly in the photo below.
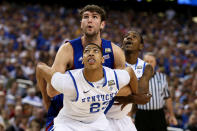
(91, 39)
(132, 57)
(93, 75)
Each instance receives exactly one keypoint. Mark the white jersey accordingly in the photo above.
(119, 121)
(90, 102)
(138, 68)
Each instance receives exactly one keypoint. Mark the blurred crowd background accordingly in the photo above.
(33, 33)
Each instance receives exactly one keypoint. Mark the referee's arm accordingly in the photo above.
(172, 119)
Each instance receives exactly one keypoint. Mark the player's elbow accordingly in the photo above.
(51, 91)
(39, 68)
(50, 94)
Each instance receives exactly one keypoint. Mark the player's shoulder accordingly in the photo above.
(74, 71)
(147, 65)
(115, 47)
(122, 71)
(66, 47)
(140, 60)
(107, 68)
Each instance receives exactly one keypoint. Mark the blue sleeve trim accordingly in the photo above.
(104, 72)
(136, 64)
(74, 85)
(117, 84)
(144, 66)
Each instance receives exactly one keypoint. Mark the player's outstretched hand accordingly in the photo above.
(134, 98)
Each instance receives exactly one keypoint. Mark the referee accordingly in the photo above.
(151, 117)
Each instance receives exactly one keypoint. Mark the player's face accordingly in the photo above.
(92, 57)
(91, 23)
(151, 60)
(132, 42)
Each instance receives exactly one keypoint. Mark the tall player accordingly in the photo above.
(69, 56)
(87, 91)
(132, 45)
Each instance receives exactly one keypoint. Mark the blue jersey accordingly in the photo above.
(57, 101)
(55, 107)
(78, 53)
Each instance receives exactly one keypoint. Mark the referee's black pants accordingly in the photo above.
(150, 120)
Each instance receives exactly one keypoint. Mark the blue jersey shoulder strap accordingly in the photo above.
(77, 53)
(108, 53)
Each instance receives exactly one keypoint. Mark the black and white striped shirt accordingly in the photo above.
(158, 87)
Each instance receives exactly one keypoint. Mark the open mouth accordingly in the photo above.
(89, 27)
(128, 43)
(91, 61)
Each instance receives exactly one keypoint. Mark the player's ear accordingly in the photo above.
(102, 25)
(102, 60)
(141, 46)
(82, 61)
(122, 45)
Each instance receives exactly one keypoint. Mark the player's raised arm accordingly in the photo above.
(144, 80)
(44, 71)
(63, 60)
(119, 57)
(42, 86)
(43, 76)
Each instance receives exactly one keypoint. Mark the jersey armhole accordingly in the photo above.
(144, 67)
(74, 85)
(117, 84)
(112, 53)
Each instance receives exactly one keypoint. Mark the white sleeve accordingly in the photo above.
(63, 83)
(123, 77)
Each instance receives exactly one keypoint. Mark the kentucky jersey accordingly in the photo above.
(138, 68)
(91, 101)
(77, 64)
(115, 111)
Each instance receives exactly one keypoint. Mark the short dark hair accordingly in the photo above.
(94, 8)
(100, 48)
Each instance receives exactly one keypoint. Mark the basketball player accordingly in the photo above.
(69, 56)
(87, 91)
(118, 118)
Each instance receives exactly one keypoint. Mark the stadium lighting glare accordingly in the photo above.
(194, 19)
(149, 0)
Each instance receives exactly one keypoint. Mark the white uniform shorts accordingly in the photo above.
(124, 124)
(67, 124)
